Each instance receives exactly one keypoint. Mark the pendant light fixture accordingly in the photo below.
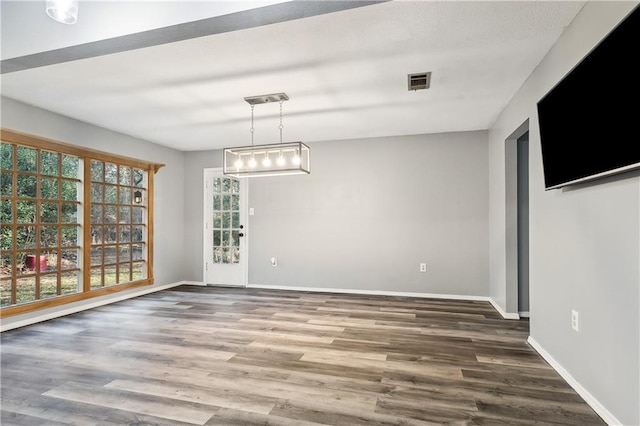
(63, 11)
(290, 158)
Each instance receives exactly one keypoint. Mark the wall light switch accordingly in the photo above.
(575, 317)
(250, 211)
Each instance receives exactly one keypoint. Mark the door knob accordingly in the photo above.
(241, 234)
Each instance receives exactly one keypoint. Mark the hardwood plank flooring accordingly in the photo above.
(229, 356)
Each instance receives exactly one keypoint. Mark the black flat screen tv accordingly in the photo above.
(590, 121)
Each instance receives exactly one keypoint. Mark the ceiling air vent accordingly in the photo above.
(419, 81)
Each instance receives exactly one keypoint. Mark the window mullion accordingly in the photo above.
(38, 225)
(149, 224)
(86, 226)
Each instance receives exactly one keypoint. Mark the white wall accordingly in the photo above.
(369, 213)
(584, 243)
(168, 197)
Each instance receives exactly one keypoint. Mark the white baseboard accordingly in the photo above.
(200, 283)
(609, 418)
(505, 315)
(372, 292)
(83, 307)
(524, 314)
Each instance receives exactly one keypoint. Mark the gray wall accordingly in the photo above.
(584, 241)
(195, 163)
(169, 202)
(369, 213)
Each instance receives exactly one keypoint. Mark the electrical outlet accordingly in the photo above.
(423, 267)
(575, 320)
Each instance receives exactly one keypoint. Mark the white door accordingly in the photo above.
(225, 241)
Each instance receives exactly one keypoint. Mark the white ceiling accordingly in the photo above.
(345, 72)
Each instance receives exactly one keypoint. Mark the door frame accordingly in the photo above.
(244, 218)
(511, 222)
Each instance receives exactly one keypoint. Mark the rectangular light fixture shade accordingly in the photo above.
(278, 159)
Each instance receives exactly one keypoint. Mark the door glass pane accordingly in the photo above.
(226, 185)
(226, 220)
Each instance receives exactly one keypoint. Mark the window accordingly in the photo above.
(75, 223)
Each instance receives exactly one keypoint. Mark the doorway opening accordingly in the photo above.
(517, 220)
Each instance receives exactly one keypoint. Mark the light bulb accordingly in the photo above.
(296, 160)
(238, 164)
(280, 161)
(266, 161)
(252, 163)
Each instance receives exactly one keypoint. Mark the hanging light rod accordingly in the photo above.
(264, 99)
(276, 159)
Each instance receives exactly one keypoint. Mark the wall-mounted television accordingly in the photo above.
(590, 121)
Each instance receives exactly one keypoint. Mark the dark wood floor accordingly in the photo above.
(206, 355)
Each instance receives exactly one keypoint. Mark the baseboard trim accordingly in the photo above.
(84, 307)
(609, 418)
(524, 314)
(371, 292)
(505, 315)
(200, 283)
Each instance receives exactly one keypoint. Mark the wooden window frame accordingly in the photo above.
(85, 155)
